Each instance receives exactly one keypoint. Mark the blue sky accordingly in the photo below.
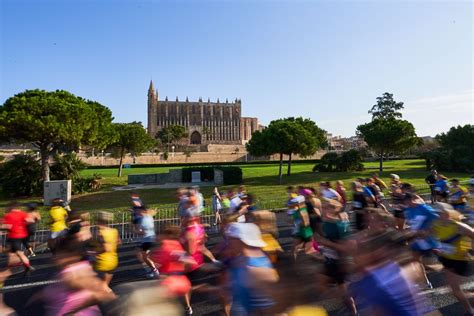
(327, 60)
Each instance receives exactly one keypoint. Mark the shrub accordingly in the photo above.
(350, 160)
(66, 166)
(328, 163)
(21, 176)
(232, 174)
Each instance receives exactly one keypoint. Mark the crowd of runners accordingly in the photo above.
(371, 247)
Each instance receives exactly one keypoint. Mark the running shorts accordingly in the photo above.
(460, 267)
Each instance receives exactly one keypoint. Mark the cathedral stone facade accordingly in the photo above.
(206, 122)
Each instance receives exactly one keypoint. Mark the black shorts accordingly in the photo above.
(460, 267)
(399, 214)
(444, 195)
(147, 245)
(334, 269)
(360, 221)
(15, 243)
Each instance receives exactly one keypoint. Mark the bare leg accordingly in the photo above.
(108, 277)
(454, 282)
(207, 253)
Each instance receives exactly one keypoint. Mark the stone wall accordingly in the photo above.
(179, 157)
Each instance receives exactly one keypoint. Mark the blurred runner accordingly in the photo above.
(106, 260)
(359, 204)
(79, 289)
(381, 287)
(302, 232)
(333, 244)
(441, 188)
(252, 274)
(34, 218)
(453, 251)
(397, 202)
(458, 196)
(266, 222)
(148, 238)
(431, 180)
(58, 227)
(217, 206)
(420, 218)
(382, 185)
(342, 192)
(15, 222)
(172, 259)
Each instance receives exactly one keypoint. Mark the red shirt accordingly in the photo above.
(17, 220)
(168, 256)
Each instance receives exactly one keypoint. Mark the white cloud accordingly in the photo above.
(432, 115)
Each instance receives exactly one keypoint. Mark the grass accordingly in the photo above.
(261, 180)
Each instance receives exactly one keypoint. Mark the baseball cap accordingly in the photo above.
(248, 233)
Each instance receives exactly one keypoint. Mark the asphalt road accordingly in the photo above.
(296, 283)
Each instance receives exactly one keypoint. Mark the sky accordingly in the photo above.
(324, 60)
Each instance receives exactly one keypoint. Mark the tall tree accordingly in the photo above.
(387, 132)
(53, 121)
(286, 137)
(132, 139)
(171, 134)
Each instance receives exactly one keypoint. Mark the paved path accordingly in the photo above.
(19, 289)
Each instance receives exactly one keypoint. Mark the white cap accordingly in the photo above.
(394, 176)
(248, 233)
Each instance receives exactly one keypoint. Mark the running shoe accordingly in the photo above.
(189, 310)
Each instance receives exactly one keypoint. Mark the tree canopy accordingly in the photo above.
(287, 137)
(456, 152)
(132, 138)
(171, 134)
(54, 121)
(387, 132)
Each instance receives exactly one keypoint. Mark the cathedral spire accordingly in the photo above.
(151, 89)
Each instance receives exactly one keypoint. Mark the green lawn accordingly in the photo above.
(261, 180)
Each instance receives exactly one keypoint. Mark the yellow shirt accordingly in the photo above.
(58, 216)
(453, 245)
(107, 260)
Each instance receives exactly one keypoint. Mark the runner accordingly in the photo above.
(252, 274)
(397, 202)
(382, 185)
(302, 233)
(431, 180)
(342, 192)
(106, 260)
(441, 188)
(136, 210)
(172, 261)
(420, 217)
(327, 192)
(453, 251)
(34, 218)
(58, 227)
(15, 222)
(79, 290)
(381, 286)
(359, 204)
(266, 222)
(217, 206)
(148, 237)
(458, 196)
(332, 244)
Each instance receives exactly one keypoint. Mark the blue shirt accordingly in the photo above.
(245, 299)
(421, 218)
(441, 186)
(385, 289)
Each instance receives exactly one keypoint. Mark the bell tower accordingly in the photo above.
(152, 110)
